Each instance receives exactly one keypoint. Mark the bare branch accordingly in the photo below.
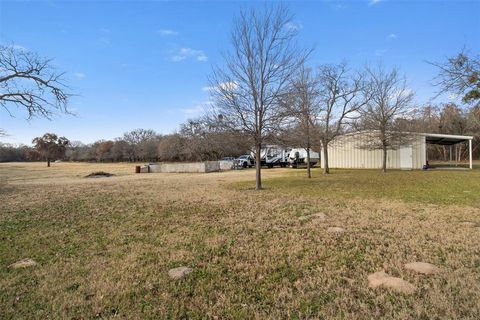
(30, 83)
(459, 75)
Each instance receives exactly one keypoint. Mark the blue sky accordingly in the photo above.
(144, 64)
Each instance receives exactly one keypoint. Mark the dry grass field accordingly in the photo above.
(104, 246)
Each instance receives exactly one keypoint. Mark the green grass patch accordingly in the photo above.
(437, 187)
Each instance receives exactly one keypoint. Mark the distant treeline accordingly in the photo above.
(198, 140)
(194, 142)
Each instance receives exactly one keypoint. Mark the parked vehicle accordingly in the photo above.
(273, 155)
(298, 157)
(244, 161)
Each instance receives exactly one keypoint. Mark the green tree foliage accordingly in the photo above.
(50, 146)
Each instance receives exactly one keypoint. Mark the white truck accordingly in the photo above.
(298, 157)
(244, 161)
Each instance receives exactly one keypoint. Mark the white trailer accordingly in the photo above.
(298, 157)
(273, 155)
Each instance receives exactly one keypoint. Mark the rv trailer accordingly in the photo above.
(298, 157)
(273, 155)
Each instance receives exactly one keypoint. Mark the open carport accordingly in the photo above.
(451, 141)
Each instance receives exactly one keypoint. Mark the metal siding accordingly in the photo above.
(345, 152)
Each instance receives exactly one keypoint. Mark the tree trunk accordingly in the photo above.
(309, 173)
(48, 162)
(326, 168)
(384, 165)
(258, 167)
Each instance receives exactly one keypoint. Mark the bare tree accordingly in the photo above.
(302, 106)
(247, 88)
(10, 152)
(342, 95)
(120, 150)
(30, 82)
(460, 75)
(474, 118)
(206, 140)
(474, 128)
(103, 150)
(172, 148)
(454, 120)
(390, 99)
(50, 146)
(143, 143)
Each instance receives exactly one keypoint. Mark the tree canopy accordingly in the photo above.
(50, 146)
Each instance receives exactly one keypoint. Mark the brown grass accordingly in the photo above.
(104, 247)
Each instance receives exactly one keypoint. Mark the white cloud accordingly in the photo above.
(79, 75)
(294, 26)
(196, 110)
(15, 47)
(374, 2)
(178, 58)
(392, 36)
(232, 85)
(104, 38)
(407, 92)
(19, 47)
(340, 6)
(402, 93)
(167, 32)
(185, 53)
(453, 96)
(202, 57)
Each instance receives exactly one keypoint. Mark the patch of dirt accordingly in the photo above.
(381, 279)
(468, 223)
(422, 267)
(317, 217)
(24, 263)
(179, 273)
(99, 174)
(335, 229)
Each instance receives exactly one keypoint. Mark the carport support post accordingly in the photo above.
(470, 152)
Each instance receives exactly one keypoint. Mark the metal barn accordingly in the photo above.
(350, 151)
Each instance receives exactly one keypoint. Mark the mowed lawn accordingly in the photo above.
(104, 246)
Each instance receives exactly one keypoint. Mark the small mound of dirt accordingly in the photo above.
(422, 267)
(335, 229)
(381, 279)
(99, 174)
(24, 263)
(179, 273)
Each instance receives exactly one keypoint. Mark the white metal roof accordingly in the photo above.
(445, 139)
(430, 138)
